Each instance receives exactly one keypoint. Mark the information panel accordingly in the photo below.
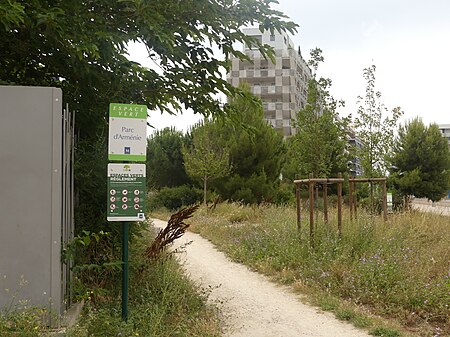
(126, 192)
(127, 132)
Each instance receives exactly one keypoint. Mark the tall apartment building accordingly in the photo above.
(445, 130)
(282, 85)
(354, 163)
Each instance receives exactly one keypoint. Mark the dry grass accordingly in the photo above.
(397, 270)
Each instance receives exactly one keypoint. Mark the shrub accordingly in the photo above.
(174, 198)
(398, 268)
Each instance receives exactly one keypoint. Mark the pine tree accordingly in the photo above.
(421, 161)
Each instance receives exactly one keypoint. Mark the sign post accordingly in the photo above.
(126, 181)
(125, 239)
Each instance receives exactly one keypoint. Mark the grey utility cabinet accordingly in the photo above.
(35, 187)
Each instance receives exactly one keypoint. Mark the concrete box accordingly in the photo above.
(31, 184)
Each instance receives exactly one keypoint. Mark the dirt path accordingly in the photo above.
(253, 306)
(441, 207)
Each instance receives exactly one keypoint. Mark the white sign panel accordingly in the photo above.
(127, 132)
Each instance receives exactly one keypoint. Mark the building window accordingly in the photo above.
(272, 37)
(252, 45)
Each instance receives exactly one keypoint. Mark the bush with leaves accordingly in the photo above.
(421, 161)
(173, 198)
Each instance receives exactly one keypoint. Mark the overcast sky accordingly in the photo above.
(407, 40)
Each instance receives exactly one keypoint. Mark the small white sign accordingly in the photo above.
(127, 132)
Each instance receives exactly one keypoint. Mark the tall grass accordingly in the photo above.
(398, 268)
(162, 302)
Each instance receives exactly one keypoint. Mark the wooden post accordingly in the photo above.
(372, 211)
(339, 205)
(350, 197)
(311, 213)
(297, 196)
(355, 199)
(325, 203)
(384, 200)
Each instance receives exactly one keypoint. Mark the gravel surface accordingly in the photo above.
(251, 305)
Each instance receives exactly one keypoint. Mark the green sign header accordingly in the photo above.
(120, 110)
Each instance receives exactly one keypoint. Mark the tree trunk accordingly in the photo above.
(204, 190)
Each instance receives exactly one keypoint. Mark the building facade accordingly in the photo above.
(354, 163)
(445, 130)
(282, 86)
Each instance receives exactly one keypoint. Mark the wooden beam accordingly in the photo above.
(340, 206)
(311, 213)
(297, 197)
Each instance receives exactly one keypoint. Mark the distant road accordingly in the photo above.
(441, 207)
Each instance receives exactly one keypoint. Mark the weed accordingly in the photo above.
(23, 323)
(162, 301)
(384, 332)
(396, 269)
(345, 314)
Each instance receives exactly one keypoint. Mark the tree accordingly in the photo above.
(375, 128)
(256, 151)
(421, 161)
(319, 146)
(206, 160)
(165, 164)
(81, 47)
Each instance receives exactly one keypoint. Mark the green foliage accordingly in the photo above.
(206, 159)
(24, 323)
(396, 269)
(11, 13)
(96, 264)
(165, 164)
(81, 47)
(90, 177)
(319, 146)
(256, 152)
(421, 161)
(174, 198)
(375, 128)
(384, 332)
(162, 302)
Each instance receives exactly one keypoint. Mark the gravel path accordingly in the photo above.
(251, 305)
(440, 207)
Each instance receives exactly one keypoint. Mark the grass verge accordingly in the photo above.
(162, 302)
(397, 270)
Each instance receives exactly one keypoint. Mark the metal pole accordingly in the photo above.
(125, 237)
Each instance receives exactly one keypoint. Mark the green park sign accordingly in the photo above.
(127, 132)
(126, 192)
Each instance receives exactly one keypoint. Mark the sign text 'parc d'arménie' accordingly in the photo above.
(127, 132)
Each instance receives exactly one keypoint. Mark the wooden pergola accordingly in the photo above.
(352, 193)
(311, 182)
